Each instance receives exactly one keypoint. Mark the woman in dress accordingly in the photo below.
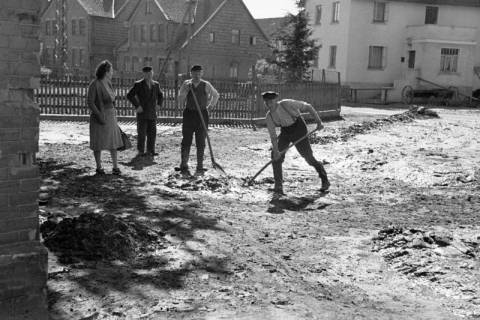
(105, 133)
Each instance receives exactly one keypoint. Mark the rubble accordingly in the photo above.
(198, 183)
(94, 236)
(415, 112)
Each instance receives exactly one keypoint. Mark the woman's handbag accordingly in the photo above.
(126, 141)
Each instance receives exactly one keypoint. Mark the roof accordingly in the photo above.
(462, 3)
(174, 10)
(96, 8)
(217, 10)
(270, 26)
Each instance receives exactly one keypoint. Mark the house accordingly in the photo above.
(76, 35)
(221, 35)
(273, 27)
(393, 43)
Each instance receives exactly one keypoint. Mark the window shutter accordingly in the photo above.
(387, 6)
(384, 57)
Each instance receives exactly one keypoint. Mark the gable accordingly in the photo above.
(97, 7)
(238, 18)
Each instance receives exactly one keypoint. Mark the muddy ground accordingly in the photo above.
(397, 236)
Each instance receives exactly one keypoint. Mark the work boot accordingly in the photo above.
(323, 176)
(200, 157)
(185, 154)
(278, 177)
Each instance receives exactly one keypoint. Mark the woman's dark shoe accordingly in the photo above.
(100, 171)
(116, 171)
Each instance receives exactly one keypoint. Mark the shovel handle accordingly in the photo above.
(281, 154)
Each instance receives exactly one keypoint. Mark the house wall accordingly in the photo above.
(140, 49)
(74, 11)
(218, 57)
(363, 32)
(329, 34)
(23, 260)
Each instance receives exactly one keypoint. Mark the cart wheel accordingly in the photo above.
(407, 94)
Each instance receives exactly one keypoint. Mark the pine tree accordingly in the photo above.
(299, 51)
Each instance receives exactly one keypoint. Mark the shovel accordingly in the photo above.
(250, 182)
(215, 164)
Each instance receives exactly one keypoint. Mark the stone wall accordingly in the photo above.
(23, 260)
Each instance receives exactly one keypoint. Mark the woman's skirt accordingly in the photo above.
(106, 136)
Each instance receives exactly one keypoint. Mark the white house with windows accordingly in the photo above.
(393, 43)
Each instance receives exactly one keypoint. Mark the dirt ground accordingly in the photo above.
(397, 236)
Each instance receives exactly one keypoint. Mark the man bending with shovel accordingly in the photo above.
(286, 115)
(197, 95)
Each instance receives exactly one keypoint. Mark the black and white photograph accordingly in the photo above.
(239, 159)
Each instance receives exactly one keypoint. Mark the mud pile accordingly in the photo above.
(198, 183)
(96, 237)
(432, 253)
(367, 126)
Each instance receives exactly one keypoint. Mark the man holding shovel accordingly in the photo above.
(205, 98)
(286, 114)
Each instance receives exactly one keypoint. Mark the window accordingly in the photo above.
(161, 33)
(318, 14)
(48, 28)
(147, 61)
(153, 33)
(379, 10)
(253, 41)
(74, 27)
(431, 15)
(81, 54)
(376, 57)
(135, 32)
(336, 12)
(82, 26)
(135, 63)
(211, 37)
(74, 57)
(234, 70)
(411, 59)
(143, 33)
(333, 56)
(236, 36)
(126, 63)
(449, 60)
(148, 8)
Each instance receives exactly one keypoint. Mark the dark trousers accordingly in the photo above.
(146, 128)
(193, 125)
(289, 135)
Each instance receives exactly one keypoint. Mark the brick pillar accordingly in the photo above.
(23, 260)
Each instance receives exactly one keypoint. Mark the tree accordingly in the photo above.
(298, 51)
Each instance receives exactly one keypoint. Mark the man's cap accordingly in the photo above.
(269, 95)
(196, 68)
(147, 69)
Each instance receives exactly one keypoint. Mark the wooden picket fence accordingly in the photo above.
(239, 101)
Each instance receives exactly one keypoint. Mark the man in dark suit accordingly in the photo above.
(145, 95)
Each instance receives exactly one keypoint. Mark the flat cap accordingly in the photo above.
(269, 95)
(196, 68)
(147, 69)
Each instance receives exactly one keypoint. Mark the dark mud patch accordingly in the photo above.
(198, 183)
(92, 236)
(292, 203)
(449, 260)
(361, 128)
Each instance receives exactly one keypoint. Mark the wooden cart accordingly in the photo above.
(436, 94)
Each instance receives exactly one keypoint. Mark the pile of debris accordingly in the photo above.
(415, 112)
(92, 236)
(423, 253)
(198, 183)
